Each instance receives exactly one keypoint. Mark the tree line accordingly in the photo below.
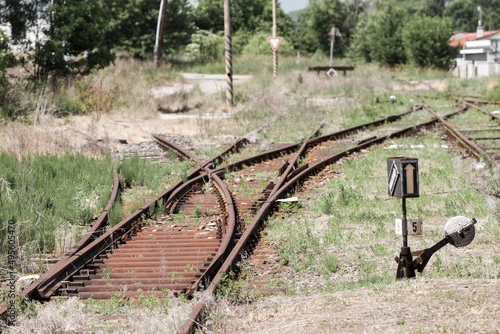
(71, 37)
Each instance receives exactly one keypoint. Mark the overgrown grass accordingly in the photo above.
(44, 194)
(145, 179)
(347, 233)
(154, 176)
(52, 198)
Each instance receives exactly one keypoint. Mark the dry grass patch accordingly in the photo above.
(417, 306)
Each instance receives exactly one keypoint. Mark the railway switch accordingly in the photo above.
(402, 182)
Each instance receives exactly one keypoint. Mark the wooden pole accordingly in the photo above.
(275, 52)
(159, 32)
(228, 53)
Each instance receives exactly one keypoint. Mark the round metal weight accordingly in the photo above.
(460, 230)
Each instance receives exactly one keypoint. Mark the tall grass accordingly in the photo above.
(45, 193)
(139, 172)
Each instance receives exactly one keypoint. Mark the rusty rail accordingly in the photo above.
(86, 251)
(476, 150)
(472, 105)
(196, 312)
(92, 234)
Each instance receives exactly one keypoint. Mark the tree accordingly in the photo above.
(76, 42)
(379, 37)
(248, 18)
(6, 61)
(314, 23)
(426, 42)
(133, 25)
(416, 7)
(209, 15)
(464, 15)
(59, 37)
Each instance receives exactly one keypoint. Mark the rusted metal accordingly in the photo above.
(203, 250)
(293, 164)
(476, 150)
(131, 246)
(95, 231)
(181, 153)
(474, 105)
(117, 234)
(234, 256)
(345, 132)
(423, 256)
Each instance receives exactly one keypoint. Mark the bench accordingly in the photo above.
(335, 68)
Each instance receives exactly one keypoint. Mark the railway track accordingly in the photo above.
(196, 231)
(477, 131)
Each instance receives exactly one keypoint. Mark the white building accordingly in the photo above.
(479, 55)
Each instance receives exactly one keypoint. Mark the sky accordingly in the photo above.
(292, 5)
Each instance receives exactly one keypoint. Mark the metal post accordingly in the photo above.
(332, 39)
(333, 32)
(405, 266)
(404, 227)
(159, 32)
(228, 53)
(275, 52)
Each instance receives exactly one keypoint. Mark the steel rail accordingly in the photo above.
(472, 105)
(347, 131)
(196, 312)
(292, 165)
(461, 97)
(95, 231)
(104, 242)
(210, 272)
(181, 153)
(292, 147)
(240, 143)
(485, 102)
(257, 158)
(88, 250)
(229, 236)
(476, 150)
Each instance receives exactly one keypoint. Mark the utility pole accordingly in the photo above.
(228, 53)
(275, 52)
(159, 32)
(333, 32)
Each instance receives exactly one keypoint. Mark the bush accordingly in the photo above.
(387, 36)
(205, 45)
(6, 61)
(425, 41)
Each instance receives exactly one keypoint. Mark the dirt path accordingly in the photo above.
(418, 306)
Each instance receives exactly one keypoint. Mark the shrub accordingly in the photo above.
(205, 45)
(6, 61)
(425, 41)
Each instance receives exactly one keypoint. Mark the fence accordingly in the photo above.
(470, 69)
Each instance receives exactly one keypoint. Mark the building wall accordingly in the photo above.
(470, 69)
(476, 57)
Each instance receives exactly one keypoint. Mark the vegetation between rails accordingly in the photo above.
(53, 198)
(348, 235)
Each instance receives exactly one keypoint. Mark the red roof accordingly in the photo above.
(462, 37)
